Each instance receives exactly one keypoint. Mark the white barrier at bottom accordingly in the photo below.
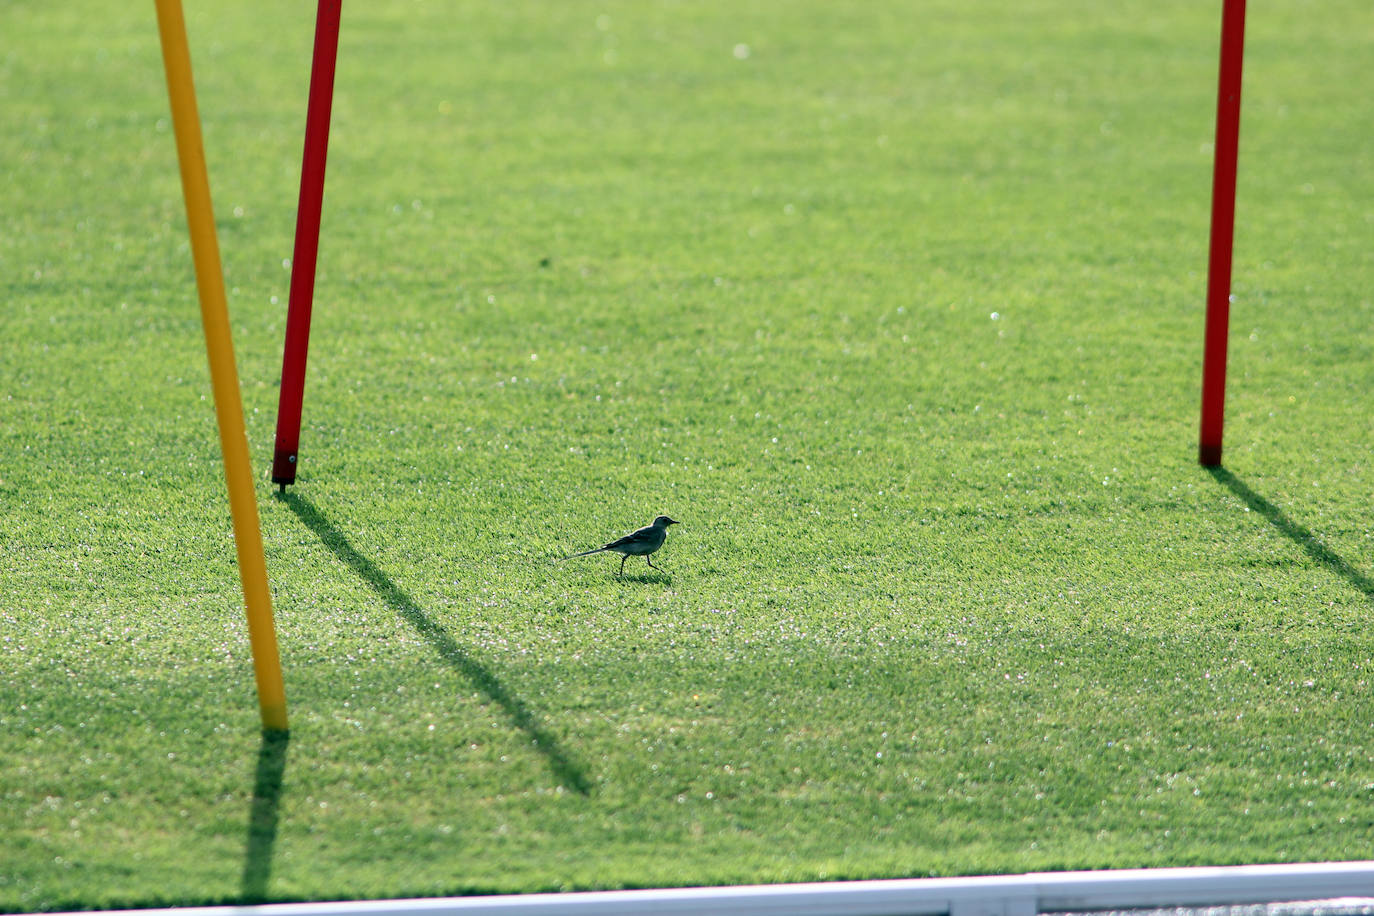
(994, 895)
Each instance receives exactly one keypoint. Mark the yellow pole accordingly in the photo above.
(214, 312)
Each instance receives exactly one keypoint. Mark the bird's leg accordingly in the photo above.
(623, 558)
(650, 562)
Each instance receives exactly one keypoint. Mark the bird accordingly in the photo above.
(638, 543)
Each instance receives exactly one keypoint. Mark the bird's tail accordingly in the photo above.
(585, 553)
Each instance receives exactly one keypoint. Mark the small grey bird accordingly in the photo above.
(638, 543)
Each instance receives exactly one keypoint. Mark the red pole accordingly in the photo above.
(307, 243)
(1223, 231)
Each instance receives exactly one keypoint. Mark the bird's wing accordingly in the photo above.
(634, 537)
(637, 538)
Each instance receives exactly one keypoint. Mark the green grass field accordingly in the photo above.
(896, 307)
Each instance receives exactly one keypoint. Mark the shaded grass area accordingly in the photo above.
(898, 314)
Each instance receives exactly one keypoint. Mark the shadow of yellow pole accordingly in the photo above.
(214, 311)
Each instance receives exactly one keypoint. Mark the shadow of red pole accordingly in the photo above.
(444, 645)
(1295, 532)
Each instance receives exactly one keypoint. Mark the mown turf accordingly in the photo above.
(897, 310)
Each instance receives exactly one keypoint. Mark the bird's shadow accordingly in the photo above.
(1295, 532)
(646, 577)
(445, 646)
